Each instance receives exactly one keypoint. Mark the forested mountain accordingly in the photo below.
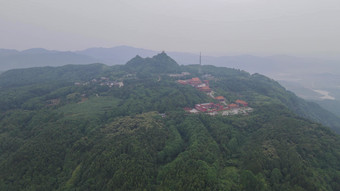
(38, 57)
(124, 127)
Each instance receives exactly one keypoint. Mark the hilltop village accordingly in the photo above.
(222, 108)
(102, 81)
(217, 107)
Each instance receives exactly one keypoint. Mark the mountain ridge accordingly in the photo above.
(72, 128)
(271, 65)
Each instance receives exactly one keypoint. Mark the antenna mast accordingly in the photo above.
(200, 67)
(200, 59)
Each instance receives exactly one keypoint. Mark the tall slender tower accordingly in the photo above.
(200, 66)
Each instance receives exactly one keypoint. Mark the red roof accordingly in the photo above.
(241, 102)
(220, 98)
(232, 105)
(195, 79)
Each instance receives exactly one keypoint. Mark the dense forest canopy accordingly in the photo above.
(95, 127)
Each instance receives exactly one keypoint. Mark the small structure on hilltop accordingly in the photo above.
(119, 84)
(220, 98)
(179, 75)
(233, 106)
(241, 103)
(204, 89)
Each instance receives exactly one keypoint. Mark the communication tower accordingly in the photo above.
(200, 66)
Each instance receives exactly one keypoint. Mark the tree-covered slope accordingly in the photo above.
(80, 132)
(39, 75)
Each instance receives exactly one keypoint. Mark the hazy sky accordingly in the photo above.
(225, 26)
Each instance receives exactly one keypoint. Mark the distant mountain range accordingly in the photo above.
(273, 66)
(12, 59)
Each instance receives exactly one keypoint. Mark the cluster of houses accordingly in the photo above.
(238, 107)
(179, 75)
(103, 81)
(206, 107)
(222, 107)
(197, 83)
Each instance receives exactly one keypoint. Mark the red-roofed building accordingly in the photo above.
(194, 81)
(183, 82)
(205, 89)
(203, 107)
(242, 103)
(231, 106)
(209, 107)
(220, 98)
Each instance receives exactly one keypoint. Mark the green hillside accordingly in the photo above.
(95, 127)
